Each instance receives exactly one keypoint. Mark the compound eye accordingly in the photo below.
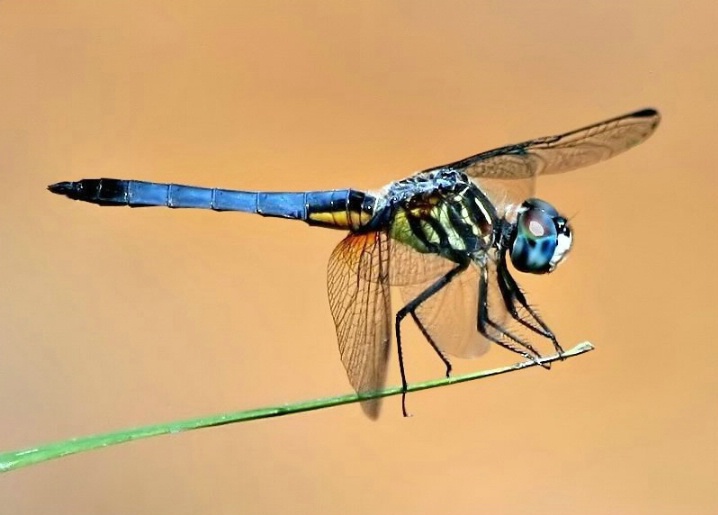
(542, 238)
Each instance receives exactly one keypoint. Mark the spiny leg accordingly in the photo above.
(410, 308)
(484, 323)
(428, 337)
(511, 292)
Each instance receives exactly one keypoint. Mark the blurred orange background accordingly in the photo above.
(113, 318)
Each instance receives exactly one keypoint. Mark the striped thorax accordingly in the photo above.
(442, 212)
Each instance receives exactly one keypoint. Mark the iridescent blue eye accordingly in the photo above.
(541, 239)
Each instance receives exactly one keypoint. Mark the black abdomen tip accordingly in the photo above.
(69, 189)
(97, 191)
(61, 188)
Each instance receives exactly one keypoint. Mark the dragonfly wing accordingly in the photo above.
(359, 298)
(450, 316)
(408, 266)
(507, 195)
(411, 267)
(564, 152)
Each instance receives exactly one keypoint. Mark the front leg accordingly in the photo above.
(484, 324)
(511, 293)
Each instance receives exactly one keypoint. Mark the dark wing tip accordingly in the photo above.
(648, 113)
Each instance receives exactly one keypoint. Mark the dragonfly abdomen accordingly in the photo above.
(340, 209)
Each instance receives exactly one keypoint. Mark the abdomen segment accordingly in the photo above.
(340, 209)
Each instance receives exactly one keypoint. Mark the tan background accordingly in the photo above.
(111, 318)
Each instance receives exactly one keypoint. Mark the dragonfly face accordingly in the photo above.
(541, 238)
(442, 237)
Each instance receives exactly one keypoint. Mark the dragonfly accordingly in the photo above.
(443, 237)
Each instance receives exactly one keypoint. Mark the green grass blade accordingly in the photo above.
(17, 459)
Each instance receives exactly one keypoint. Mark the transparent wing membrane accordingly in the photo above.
(556, 154)
(507, 195)
(450, 315)
(358, 285)
(407, 265)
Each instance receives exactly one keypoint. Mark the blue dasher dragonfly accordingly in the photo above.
(441, 236)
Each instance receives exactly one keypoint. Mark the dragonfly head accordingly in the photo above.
(541, 238)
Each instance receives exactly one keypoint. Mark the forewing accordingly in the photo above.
(556, 154)
(450, 316)
(358, 285)
(408, 266)
(507, 195)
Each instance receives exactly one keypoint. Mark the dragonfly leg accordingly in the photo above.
(511, 293)
(484, 323)
(410, 308)
(436, 348)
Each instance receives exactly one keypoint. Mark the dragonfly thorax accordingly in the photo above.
(427, 184)
(442, 212)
